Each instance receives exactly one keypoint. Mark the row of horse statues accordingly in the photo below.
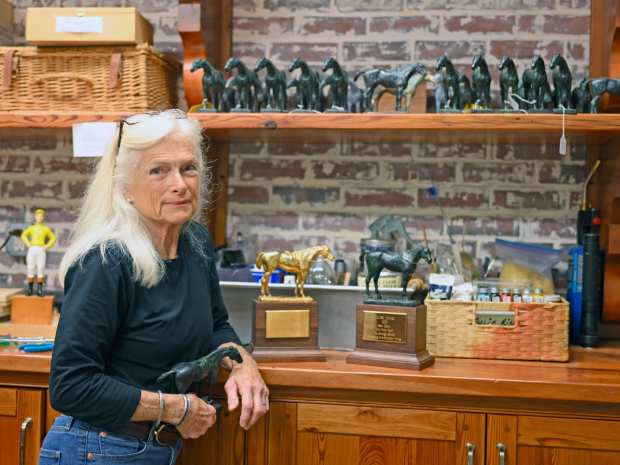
(454, 91)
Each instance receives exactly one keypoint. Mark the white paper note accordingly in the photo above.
(91, 139)
(79, 24)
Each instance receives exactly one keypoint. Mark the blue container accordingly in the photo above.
(276, 276)
(574, 295)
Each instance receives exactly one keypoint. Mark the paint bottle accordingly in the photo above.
(516, 295)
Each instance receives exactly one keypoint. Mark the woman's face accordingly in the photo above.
(164, 187)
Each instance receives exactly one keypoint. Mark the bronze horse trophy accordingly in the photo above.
(297, 262)
(404, 262)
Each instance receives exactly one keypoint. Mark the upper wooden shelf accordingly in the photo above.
(593, 128)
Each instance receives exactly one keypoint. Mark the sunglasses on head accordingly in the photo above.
(140, 118)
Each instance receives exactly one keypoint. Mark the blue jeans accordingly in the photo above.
(74, 442)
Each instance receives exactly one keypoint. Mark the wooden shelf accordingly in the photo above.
(593, 128)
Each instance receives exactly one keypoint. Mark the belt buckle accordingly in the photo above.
(158, 430)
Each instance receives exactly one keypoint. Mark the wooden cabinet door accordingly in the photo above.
(331, 434)
(552, 441)
(224, 443)
(21, 408)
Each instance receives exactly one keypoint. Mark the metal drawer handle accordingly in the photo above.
(471, 447)
(22, 440)
(502, 453)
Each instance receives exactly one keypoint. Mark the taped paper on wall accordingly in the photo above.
(91, 139)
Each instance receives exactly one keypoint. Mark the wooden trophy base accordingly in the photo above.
(286, 330)
(391, 336)
(30, 309)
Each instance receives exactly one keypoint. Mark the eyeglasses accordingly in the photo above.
(173, 113)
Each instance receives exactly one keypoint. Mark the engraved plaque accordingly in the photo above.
(390, 327)
(283, 324)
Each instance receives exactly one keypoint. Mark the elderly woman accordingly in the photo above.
(141, 294)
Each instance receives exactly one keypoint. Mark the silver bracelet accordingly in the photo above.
(187, 404)
(160, 416)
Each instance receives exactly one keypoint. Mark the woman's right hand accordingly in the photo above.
(199, 419)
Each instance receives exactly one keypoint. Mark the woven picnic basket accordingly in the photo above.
(93, 78)
(495, 330)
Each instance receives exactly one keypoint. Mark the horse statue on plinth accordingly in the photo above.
(275, 85)
(404, 262)
(297, 262)
(212, 84)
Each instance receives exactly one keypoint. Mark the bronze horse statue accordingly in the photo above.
(600, 86)
(481, 82)
(338, 83)
(249, 87)
(540, 91)
(508, 81)
(396, 79)
(275, 84)
(405, 262)
(562, 82)
(184, 374)
(307, 83)
(212, 83)
(450, 82)
(297, 262)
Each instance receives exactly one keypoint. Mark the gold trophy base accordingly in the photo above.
(392, 336)
(286, 330)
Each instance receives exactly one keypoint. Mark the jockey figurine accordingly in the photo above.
(38, 238)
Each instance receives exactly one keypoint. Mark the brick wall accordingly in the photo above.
(303, 193)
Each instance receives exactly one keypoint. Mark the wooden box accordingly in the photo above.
(34, 310)
(5, 300)
(6, 22)
(498, 330)
(87, 26)
(104, 78)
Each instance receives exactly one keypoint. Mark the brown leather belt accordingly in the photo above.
(165, 435)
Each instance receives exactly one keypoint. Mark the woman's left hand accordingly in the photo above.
(246, 382)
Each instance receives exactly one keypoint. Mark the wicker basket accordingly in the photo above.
(126, 79)
(498, 330)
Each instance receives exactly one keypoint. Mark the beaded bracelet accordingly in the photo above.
(186, 407)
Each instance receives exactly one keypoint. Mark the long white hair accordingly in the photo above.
(107, 217)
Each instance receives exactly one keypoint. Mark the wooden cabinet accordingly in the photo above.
(530, 440)
(331, 434)
(22, 419)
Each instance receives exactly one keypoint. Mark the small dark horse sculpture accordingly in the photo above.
(580, 96)
(247, 84)
(467, 95)
(275, 84)
(307, 83)
(184, 374)
(508, 81)
(562, 82)
(355, 98)
(600, 86)
(540, 90)
(396, 79)
(405, 262)
(481, 82)
(212, 83)
(450, 82)
(338, 83)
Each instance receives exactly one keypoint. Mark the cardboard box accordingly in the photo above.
(32, 309)
(87, 26)
(6, 22)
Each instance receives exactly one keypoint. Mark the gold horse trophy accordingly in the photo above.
(286, 327)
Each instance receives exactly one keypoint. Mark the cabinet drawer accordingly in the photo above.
(569, 433)
(8, 402)
(377, 421)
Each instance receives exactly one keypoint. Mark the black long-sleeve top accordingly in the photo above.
(115, 336)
